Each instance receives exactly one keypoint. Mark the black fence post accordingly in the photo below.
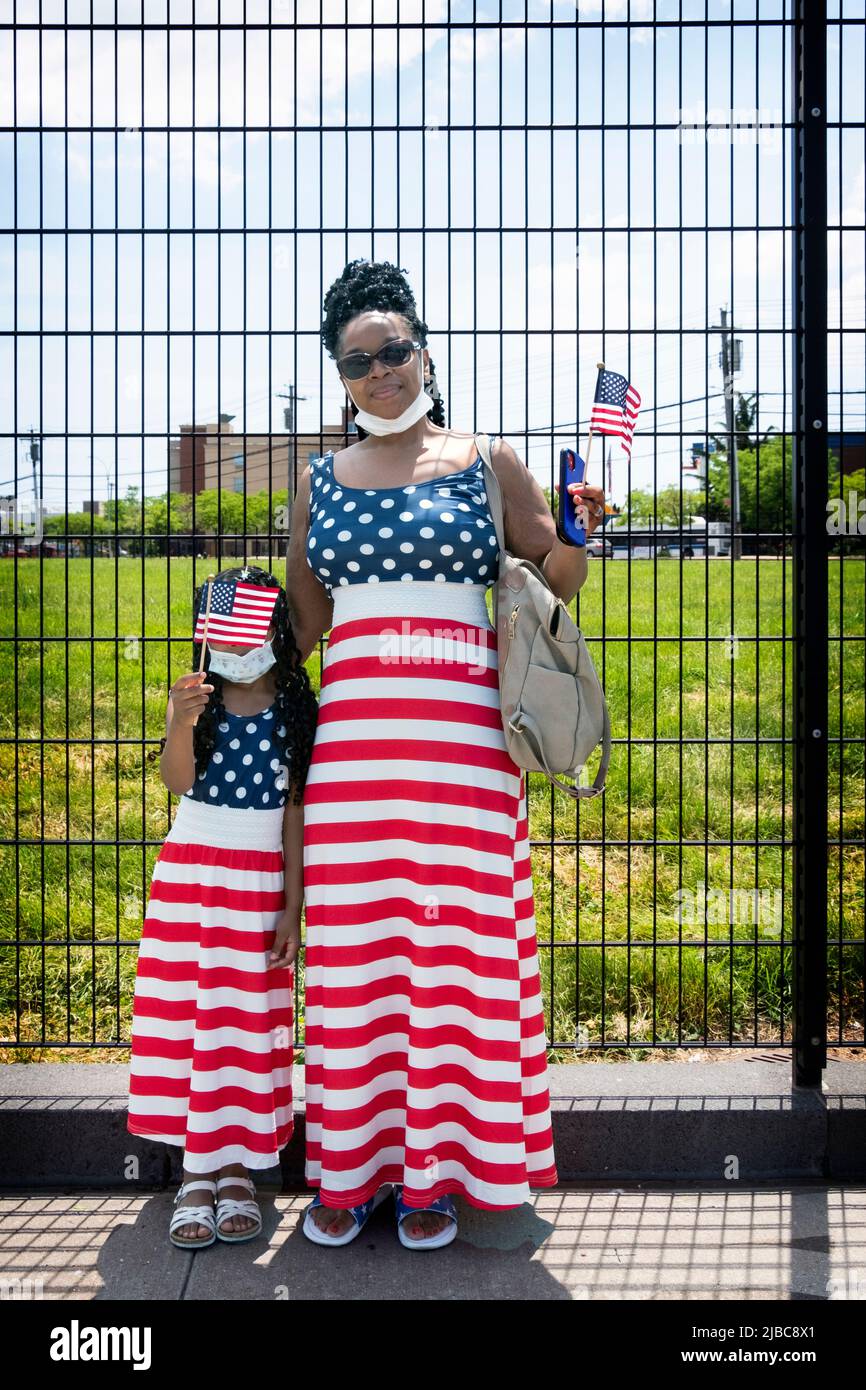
(809, 499)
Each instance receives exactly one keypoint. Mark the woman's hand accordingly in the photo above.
(588, 505)
(287, 940)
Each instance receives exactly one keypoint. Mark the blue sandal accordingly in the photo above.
(360, 1213)
(443, 1204)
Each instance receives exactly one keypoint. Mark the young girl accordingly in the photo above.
(212, 1030)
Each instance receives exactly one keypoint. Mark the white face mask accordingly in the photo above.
(375, 424)
(242, 669)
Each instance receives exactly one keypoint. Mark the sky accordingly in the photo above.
(643, 228)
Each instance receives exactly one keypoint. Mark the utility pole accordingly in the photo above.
(291, 396)
(289, 410)
(730, 359)
(34, 459)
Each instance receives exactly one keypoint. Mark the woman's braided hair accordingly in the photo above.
(365, 285)
(297, 707)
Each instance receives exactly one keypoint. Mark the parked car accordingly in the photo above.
(599, 545)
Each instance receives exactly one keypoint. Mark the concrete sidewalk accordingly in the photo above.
(666, 1243)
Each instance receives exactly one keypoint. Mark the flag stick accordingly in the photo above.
(210, 580)
(586, 460)
(600, 366)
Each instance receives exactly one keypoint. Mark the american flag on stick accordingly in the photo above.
(239, 613)
(615, 407)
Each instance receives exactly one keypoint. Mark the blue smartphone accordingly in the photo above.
(571, 470)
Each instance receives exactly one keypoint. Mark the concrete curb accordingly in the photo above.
(64, 1125)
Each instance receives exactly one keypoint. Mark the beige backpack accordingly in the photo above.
(554, 713)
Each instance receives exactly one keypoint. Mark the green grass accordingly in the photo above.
(627, 980)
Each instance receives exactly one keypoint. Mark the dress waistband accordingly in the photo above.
(424, 598)
(227, 827)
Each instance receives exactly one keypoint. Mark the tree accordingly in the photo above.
(671, 506)
(745, 413)
(765, 487)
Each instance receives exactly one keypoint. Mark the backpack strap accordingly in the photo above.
(494, 491)
(575, 791)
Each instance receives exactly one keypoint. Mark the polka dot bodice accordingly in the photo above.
(245, 767)
(438, 530)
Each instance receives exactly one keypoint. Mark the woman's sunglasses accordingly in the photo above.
(395, 354)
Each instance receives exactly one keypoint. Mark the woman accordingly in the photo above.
(425, 1045)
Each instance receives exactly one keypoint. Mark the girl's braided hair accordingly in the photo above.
(297, 708)
(378, 285)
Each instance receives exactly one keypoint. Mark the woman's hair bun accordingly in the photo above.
(366, 285)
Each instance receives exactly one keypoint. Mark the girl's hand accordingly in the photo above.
(588, 505)
(287, 940)
(189, 696)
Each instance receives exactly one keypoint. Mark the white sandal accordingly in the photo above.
(234, 1206)
(188, 1215)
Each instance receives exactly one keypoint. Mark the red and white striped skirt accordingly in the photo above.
(212, 1028)
(425, 1046)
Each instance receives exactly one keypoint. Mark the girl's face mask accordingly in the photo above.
(242, 669)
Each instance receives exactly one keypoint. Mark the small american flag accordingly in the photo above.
(615, 407)
(239, 613)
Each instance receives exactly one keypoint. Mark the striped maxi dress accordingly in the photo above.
(212, 1029)
(425, 1045)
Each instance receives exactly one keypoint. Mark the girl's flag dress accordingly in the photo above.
(212, 1029)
